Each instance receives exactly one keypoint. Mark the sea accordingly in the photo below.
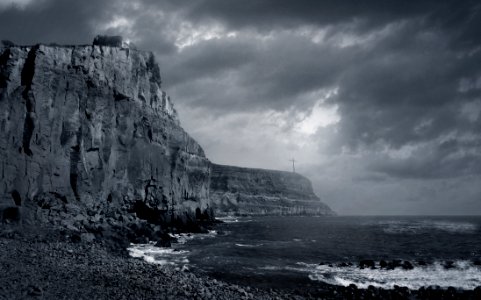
(305, 252)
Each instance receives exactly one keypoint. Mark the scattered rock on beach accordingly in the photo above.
(367, 263)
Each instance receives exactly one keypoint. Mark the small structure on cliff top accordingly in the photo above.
(112, 41)
(293, 165)
(105, 40)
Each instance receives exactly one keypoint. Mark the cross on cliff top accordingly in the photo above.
(293, 165)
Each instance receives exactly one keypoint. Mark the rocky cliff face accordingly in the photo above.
(89, 141)
(88, 128)
(245, 191)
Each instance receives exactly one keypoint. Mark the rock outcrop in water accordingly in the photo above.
(246, 191)
(87, 131)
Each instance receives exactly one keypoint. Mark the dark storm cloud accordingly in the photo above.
(446, 160)
(210, 59)
(77, 22)
(270, 14)
(65, 22)
(247, 74)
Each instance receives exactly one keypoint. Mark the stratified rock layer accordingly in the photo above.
(245, 191)
(89, 128)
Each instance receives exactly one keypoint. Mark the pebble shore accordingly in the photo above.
(44, 266)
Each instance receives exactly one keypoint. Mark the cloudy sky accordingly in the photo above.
(378, 101)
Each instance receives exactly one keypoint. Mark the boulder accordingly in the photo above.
(367, 263)
(383, 264)
(406, 265)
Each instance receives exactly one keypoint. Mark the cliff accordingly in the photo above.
(245, 191)
(87, 131)
(89, 142)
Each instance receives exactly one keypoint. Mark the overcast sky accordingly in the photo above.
(378, 101)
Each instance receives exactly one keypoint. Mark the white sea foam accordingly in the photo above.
(158, 255)
(228, 219)
(232, 219)
(182, 238)
(271, 268)
(167, 256)
(417, 227)
(464, 276)
(248, 245)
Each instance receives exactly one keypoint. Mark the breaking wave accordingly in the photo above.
(168, 256)
(464, 275)
(158, 255)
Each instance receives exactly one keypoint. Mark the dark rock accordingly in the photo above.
(449, 265)
(7, 43)
(163, 243)
(10, 214)
(16, 198)
(477, 292)
(165, 240)
(367, 263)
(76, 238)
(383, 264)
(406, 265)
(394, 264)
(421, 263)
(140, 240)
(451, 292)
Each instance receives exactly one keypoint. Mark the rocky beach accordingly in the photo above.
(51, 264)
(43, 264)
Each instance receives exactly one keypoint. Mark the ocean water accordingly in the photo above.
(297, 252)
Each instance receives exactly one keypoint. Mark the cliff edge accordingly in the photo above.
(246, 191)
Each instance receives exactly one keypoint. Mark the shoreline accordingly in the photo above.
(48, 264)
